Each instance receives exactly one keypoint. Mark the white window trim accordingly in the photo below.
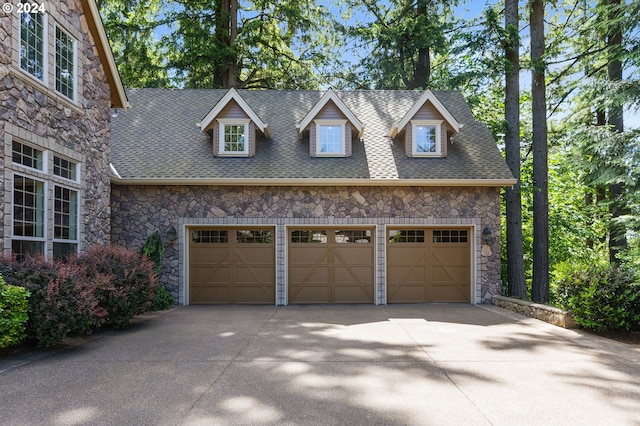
(64, 179)
(438, 125)
(343, 145)
(45, 200)
(75, 64)
(75, 241)
(45, 50)
(233, 122)
(45, 157)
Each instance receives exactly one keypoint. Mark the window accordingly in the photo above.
(426, 138)
(450, 236)
(309, 236)
(65, 210)
(65, 68)
(407, 236)
(210, 236)
(233, 138)
(26, 155)
(254, 236)
(32, 33)
(357, 236)
(330, 138)
(28, 216)
(64, 168)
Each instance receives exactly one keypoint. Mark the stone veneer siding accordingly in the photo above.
(35, 113)
(138, 211)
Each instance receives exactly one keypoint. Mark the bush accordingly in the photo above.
(154, 250)
(600, 296)
(124, 282)
(61, 303)
(14, 310)
(162, 299)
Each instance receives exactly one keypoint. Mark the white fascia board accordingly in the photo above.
(315, 182)
(233, 94)
(428, 95)
(331, 95)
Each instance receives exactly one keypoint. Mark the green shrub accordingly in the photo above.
(154, 250)
(124, 282)
(14, 310)
(600, 296)
(61, 302)
(162, 299)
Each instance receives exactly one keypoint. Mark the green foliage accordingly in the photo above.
(600, 296)
(61, 303)
(154, 250)
(124, 282)
(162, 299)
(14, 309)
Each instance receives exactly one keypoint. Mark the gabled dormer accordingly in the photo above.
(426, 128)
(233, 127)
(331, 126)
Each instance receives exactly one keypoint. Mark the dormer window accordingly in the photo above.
(426, 138)
(233, 138)
(330, 137)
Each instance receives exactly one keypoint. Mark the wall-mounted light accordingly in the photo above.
(486, 236)
(171, 235)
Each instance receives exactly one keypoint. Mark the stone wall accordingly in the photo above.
(138, 211)
(34, 112)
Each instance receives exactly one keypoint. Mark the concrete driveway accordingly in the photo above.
(328, 365)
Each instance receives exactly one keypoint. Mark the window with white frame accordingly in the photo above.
(426, 138)
(65, 64)
(48, 197)
(65, 222)
(330, 138)
(233, 138)
(28, 215)
(32, 44)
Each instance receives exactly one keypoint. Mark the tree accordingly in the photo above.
(130, 26)
(515, 265)
(260, 44)
(540, 283)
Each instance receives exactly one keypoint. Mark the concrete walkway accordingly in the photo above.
(329, 365)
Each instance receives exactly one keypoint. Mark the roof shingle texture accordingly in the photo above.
(158, 139)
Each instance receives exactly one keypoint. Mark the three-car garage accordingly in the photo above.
(325, 264)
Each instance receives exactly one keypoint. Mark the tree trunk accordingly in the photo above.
(617, 231)
(516, 285)
(422, 71)
(540, 284)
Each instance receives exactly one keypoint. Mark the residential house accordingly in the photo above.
(281, 196)
(58, 85)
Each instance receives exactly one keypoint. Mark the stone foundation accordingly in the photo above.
(545, 313)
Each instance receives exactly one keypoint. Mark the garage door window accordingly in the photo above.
(309, 236)
(450, 236)
(210, 236)
(254, 236)
(407, 236)
(358, 236)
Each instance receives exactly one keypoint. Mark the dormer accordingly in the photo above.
(331, 127)
(426, 128)
(233, 127)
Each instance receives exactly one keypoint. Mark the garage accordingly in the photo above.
(231, 265)
(331, 265)
(428, 265)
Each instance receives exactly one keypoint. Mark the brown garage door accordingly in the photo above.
(331, 265)
(232, 265)
(428, 265)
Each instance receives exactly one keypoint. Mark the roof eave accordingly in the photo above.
(428, 95)
(313, 182)
(233, 94)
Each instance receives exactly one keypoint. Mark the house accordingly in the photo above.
(58, 85)
(279, 197)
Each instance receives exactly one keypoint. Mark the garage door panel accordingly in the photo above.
(231, 265)
(428, 265)
(331, 265)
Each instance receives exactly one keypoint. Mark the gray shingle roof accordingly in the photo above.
(158, 139)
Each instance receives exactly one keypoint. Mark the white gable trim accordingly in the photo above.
(426, 96)
(233, 94)
(330, 95)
